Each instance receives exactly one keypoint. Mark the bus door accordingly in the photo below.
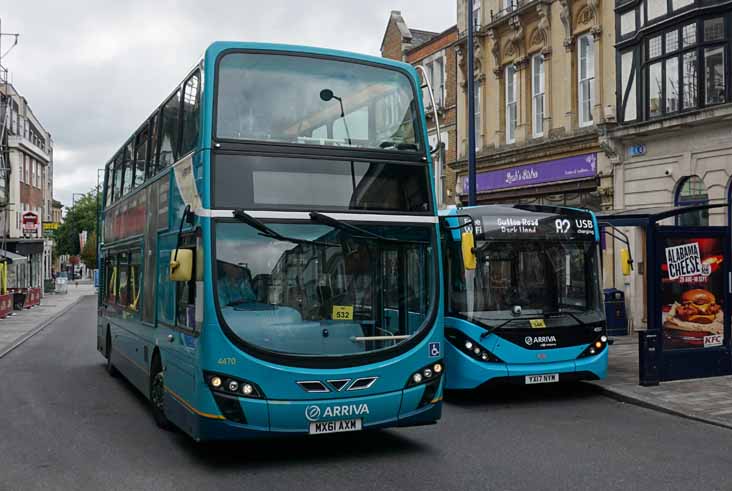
(180, 344)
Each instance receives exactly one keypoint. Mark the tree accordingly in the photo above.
(89, 253)
(81, 216)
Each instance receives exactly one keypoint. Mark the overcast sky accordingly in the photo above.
(93, 70)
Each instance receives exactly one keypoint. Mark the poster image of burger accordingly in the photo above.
(696, 319)
(692, 291)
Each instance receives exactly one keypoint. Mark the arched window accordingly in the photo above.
(692, 191)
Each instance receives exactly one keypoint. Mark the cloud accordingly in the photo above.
(94, 70)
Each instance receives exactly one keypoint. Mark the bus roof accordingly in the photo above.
(218, 47)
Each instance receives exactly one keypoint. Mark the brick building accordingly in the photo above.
(436, 53)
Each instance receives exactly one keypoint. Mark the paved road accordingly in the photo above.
(64, 424)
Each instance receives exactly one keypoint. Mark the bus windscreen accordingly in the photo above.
(282, 98)
(316, 290)
(527, 278)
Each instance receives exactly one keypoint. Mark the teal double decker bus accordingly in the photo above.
(270, 253)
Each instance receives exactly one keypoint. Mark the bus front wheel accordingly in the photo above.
(111, 369)
(157, 395)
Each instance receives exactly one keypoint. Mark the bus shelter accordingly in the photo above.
(687, 286)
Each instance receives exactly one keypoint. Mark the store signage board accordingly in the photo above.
(565, 169)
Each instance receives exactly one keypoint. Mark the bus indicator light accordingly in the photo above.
(215, 382)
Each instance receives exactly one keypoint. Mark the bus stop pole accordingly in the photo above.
(471, 108)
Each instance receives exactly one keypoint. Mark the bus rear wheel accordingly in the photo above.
(111, 369)
(157, 396)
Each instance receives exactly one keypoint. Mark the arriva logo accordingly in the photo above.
(530, 340)
(314, 413)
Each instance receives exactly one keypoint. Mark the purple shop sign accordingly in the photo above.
(568, 168)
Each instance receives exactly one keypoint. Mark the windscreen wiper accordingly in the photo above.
(567, 312)
(326, 220)
(492, 329)
(267, 231)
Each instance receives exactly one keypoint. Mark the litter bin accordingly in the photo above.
(617, 321)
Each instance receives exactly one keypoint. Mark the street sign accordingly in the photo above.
(637, 150)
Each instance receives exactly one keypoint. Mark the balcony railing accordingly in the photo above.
(511, 6)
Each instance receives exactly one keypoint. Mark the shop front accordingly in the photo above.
(567, 181)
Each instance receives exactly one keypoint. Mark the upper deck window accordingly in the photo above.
(315, 101)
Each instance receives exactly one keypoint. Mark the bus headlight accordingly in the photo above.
(430, 373)
(231, 386)
(470, 347)
(595, 347)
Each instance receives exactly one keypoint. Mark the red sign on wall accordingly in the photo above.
(30, 223)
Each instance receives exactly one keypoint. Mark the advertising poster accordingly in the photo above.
(692, 292)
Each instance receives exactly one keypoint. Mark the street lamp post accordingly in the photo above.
(471, 108)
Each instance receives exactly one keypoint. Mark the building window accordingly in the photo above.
(537, 94)
(655, 89)
(477, 20)
(714, 29)
(627, 77)
(714, 86)
(688, 34)
(586, 79)
(627, 23)
(511, 103)
(656, 9)
(655, 48)
(478, 127)
(436, 72)
(672, 84)
(672, 41)
(680, 4)
(692, 191)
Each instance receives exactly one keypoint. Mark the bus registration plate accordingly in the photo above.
(321, 427)
(542, 379)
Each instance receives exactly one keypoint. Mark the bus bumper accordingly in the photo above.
(267, 418)
(464, 372)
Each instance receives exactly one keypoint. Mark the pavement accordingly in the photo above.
(65, 424)
(16, 329)
(708, 399)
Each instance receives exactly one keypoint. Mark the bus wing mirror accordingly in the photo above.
(626, 263)
(181, 265)
(470, 261)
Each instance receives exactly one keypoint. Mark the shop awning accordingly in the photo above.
(11, 257)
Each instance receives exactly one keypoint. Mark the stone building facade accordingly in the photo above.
(544, 99)
(673, 141)
(436, 53)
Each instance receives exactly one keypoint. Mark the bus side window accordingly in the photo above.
(191, 113)
(129, 168)
(123, 299)
(118, 171)
(135, 280)
(169, 131)
(111, 280)
(185, 300)
(152, 165)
